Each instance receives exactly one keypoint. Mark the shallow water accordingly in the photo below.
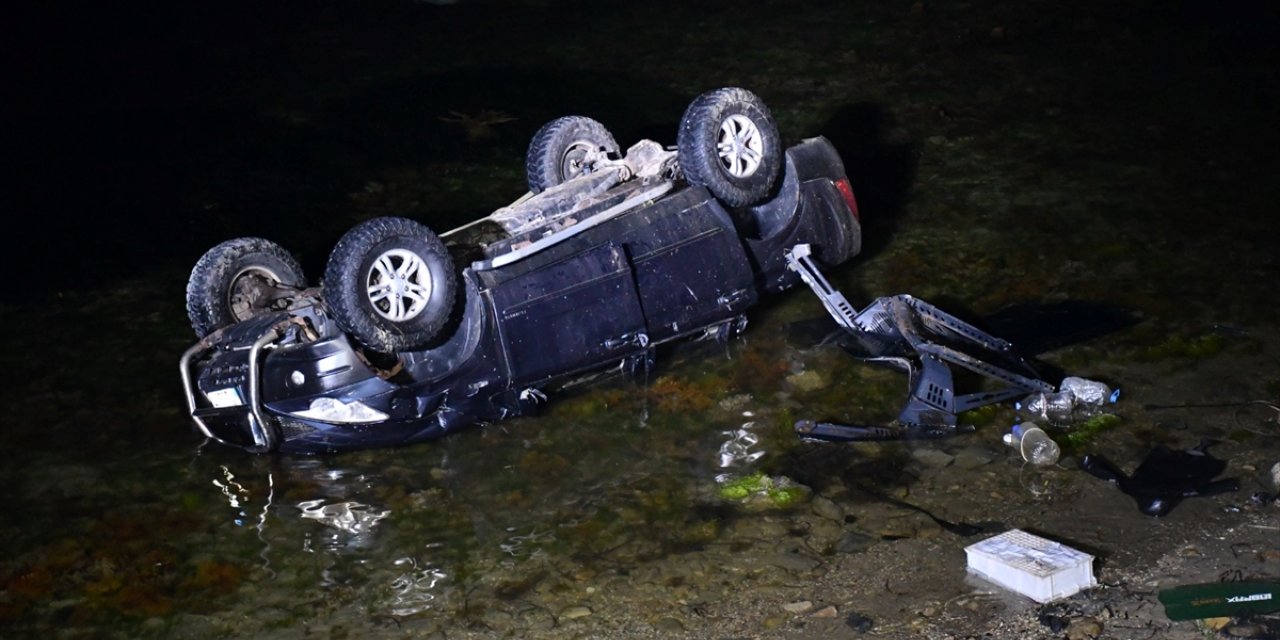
(1009, 158)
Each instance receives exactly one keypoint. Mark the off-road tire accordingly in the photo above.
(556, 152)
(240, 279)
(391, 284)
(728, 142)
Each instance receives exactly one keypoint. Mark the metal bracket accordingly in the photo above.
(923, 340)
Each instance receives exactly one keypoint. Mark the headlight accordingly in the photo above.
(331, 410)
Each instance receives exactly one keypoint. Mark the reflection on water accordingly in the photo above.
(414, 590)
(235, 493)
(741, 447)
(525, 545)
(351, 517)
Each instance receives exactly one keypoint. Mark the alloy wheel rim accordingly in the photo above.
(399, 285)
(740, 146)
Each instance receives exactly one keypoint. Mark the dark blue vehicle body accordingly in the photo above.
(534, 311)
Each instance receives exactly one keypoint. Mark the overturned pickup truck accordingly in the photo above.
(413, 335)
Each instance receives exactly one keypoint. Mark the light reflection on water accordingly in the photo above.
(525, 545)
(741, 447)
(414, 590)
(351, 517)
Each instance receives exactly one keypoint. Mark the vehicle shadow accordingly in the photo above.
(880, 171)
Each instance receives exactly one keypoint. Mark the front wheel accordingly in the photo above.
(566, 148)
(238, 280)
(729, 143)
(390, 283)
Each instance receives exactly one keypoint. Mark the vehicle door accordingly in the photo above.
(691, 268)
(570, 315)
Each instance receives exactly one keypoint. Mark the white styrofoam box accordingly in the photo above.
(1040, 569)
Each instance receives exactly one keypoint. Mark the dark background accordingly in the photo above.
(140, 135)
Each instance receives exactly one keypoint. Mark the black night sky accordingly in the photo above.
(140, 135)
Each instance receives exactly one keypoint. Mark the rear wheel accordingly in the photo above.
(240, 279)
(390, 283)
(729, 143)
(564, 149)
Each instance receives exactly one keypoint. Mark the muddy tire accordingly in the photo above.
(729, 143)
(240, 279)
(391, 284)
(561, 150)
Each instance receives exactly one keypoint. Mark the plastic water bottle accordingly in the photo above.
(1033, 443)
(1076, 400)
(1091, 396)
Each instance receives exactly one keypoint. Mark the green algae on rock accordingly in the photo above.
(759, 491)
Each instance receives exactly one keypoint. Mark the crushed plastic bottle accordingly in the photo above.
(1033, 443)
(1076, 400)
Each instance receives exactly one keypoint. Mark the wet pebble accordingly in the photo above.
(793, 561)
(899, 528)
(828, 611)
(758, 529)
(854, 542)
(1215, 624)
(932, 457)
(575, 612)
(802, 606)
(1245, 630)
(1084, 629)
(496, 618)
(974, 457)
(537, 619)
(823, 536)
(827, 508)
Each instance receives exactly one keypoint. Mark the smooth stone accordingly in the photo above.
(853, 542)
(803, 606)
(827, 508)
(793, 561)
(932, 457)
(1245, 630)
(974, 457)
(1084, 629)
(573, 613)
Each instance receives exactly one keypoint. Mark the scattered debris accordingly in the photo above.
(1033, 443)
(912, 335)
(1220, 599)
(1040, 569)
(1076, 400)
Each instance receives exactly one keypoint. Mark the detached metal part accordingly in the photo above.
(921, 339)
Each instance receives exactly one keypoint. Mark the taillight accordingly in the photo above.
(846, 192)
